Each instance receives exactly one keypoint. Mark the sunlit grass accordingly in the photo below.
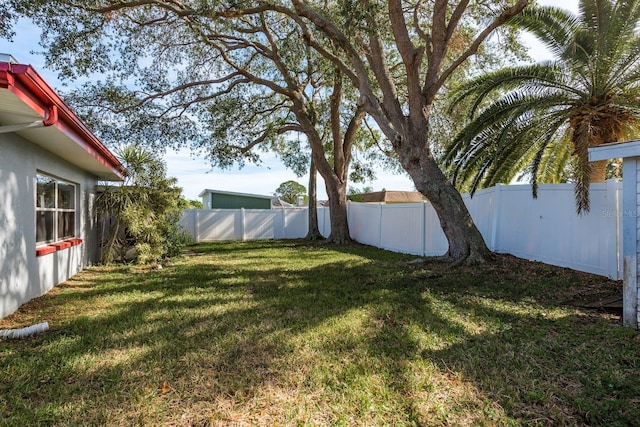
(285, 333)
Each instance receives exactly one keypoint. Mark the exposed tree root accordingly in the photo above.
(314, 236)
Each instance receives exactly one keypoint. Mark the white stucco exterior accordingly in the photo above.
(23, 275)
(40, 135)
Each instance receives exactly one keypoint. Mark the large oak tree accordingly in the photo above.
(397, 54)
(400, 55)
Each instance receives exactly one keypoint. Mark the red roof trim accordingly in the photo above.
(30, 87)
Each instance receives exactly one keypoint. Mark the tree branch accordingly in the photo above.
(188, 86)
(334, 121)
(266, 135)
(350, 136)
(411, 56)
(175, 7)
(275, 57)
(473, 48)
(378, 64)
(376, 141)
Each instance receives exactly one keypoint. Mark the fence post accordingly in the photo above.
(423, 228)
(284, 224)
(324, 220)
(380, 225)
(619, 228)
(242, 224)
(197, 226)
(495, 223)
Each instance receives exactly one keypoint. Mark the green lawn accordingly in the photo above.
(287, 333)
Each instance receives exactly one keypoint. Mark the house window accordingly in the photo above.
(55, 209)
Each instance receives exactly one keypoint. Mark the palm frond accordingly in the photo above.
(552, 26)
(542, 118)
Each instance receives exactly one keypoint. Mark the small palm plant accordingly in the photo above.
(542, 118)
(140, 216)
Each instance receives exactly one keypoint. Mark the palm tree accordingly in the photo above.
(541, 119)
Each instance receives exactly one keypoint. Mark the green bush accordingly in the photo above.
(140, 216)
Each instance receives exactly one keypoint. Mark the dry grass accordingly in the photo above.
(284, 333)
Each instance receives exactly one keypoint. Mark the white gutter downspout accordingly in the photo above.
(50, 119)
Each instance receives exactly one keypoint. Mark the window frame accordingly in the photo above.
(58, 208)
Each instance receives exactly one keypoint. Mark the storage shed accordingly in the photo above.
(216, 199)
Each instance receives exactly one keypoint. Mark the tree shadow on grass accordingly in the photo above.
(367, 338)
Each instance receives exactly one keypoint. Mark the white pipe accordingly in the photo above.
(24, 332)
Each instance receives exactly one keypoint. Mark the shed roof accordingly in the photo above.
(26, 99)
(392, 197)
(231, 193)
(615, 150)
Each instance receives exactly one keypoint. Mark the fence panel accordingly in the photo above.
(546, 229)
(262, 225)
(435, 242)
(219, 224)
(324, 221)
(295, 223)
(483, 207)
(364, 223)
(400, 228)
(188, 222)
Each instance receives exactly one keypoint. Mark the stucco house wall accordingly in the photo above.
(23, 275)
(56, 145)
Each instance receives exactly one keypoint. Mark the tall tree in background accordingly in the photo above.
(542, 118)
(7, 19)
(289, 191)
(296, 157)
(313, 232)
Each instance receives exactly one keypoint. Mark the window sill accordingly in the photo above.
(58, 246)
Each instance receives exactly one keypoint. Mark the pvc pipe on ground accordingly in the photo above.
(24, 332)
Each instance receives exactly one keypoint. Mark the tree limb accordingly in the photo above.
(473, 48)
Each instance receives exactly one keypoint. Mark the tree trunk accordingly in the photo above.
(338, 214)
(466, 244)
(314, 231)
(598, 171)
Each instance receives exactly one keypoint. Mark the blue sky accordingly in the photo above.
(193, 173)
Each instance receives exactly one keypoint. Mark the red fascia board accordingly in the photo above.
(30, 87)
(8, 81)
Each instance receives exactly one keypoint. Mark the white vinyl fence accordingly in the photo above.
(545, 229)
(206, 225)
